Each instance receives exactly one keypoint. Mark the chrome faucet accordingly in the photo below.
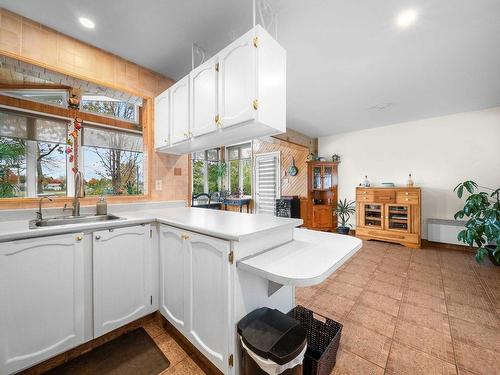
(79, 193)
(39, 215)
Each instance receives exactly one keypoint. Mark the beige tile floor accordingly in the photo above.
(404, 311)
(409, 311)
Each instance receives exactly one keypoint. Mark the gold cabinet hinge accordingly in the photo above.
(217, 120)
(231, 257)
(230, 360)
(216, 67)
(256, 41)
(255, 104)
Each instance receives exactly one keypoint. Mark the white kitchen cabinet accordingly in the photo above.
(122, 290)
(203, 98)
(42, 299)
(195, 282)
(162, 119)
(237, 81)
(173, 279)
(179, 111)
(250, 95)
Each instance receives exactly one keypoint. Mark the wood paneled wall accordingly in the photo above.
(290, 185)
(29, 41)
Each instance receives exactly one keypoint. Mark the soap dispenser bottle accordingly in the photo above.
(101, 206)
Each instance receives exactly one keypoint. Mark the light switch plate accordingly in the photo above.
(158, 184)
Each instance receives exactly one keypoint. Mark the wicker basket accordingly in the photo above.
(323, 338)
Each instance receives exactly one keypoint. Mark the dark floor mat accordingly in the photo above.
(134, 353)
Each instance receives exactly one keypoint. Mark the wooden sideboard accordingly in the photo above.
(317, 208)
(389, 214)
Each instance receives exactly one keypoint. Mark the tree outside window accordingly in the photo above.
(240, 169)
(206, 177)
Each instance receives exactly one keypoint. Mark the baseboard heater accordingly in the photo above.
(443, 230)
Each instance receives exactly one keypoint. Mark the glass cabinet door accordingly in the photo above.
(317, 178)
(398, 217)
(372, 215)
(327, 177)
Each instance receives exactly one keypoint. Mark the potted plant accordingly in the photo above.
(344, 210)
(482, 210)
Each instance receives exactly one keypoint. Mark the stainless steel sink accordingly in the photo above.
(65, 220)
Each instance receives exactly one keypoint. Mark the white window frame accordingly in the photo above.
(205, 169)
(15, 94)
(105, 98)
(239, 146)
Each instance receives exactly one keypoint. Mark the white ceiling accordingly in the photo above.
(349, 66)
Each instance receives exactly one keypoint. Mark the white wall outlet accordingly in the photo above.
(158, 184)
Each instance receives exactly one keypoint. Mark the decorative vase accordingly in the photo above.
(366, 183)
(409, 183)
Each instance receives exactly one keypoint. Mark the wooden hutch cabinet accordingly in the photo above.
(389, 214)
(317, 208)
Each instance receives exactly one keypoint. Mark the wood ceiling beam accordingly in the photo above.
(64, 112)
(33, 86)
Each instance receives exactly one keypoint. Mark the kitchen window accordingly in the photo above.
(240, 169)
(110, 107)
(205, 171)
(53, 97)
(33, 160)
(113, 161)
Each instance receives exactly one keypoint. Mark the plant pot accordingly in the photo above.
(343, 230)
(490, 249)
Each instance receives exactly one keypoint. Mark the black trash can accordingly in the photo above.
(273, 336)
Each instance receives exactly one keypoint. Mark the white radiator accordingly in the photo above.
(446, 231)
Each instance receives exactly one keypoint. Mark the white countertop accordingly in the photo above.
(226, 225)
(309, 259)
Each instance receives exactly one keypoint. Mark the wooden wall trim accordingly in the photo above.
(64, 112)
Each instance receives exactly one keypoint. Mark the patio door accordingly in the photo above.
(267, 182)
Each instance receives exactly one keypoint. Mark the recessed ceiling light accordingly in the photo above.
(406, 18)
(89, 24)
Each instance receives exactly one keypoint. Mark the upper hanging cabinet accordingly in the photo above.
(179, 111)
(203, 98)
(162, 120)
(238, 95)
(237, 81)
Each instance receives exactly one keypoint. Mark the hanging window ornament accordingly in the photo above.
(74, 102)
(72, 142)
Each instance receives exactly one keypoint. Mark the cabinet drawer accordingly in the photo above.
(384, 196)
(363, 195)
(410, 197)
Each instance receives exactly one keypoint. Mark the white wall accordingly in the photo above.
(439, 152)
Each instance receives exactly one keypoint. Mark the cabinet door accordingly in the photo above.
(203, 87)
(173, 279)
(317, 177)
(398, 217)
(237, 83)
(179, 110)
(322, 216)
(121, 288)
(162, 119)
(42, 299)
(327, 177)
(372, 215)
(208, 296)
